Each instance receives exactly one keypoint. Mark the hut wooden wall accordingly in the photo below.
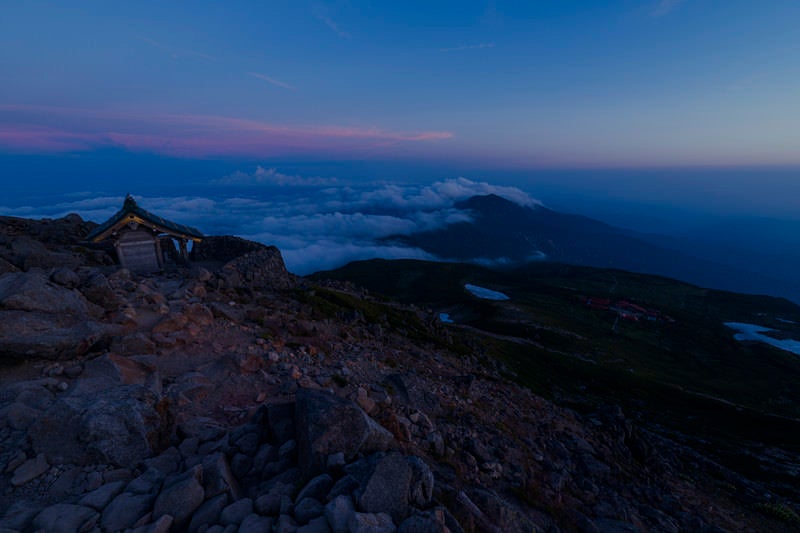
(138, 251)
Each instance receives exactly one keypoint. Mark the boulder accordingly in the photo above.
(172, 323)
(307, 509)
(255, 524)
(317, 525)
(338, 512)
(66, 518)
(149, 482)
(391, 483)
(223, 248)
(33, 291)
(120, 425)
(125, 510)
(317, 488)
(6, 267)
(162, 525)
(19, 515)
(208, 513)
(228, 312)
(268, 504)
(286, 524)
(327, 424)
(39, 318)
(261, 269)
(19, 416)
(30, 470)
(98, 291)
(66, 277)
(200, 274)
(199, 314)
(133, 343)
(101, 496)
(35, 334)
(168, 461)
(371, 523)
(218, 478)
(181, 498)
(28, 253)
(427, 522)
(137, 370)
(235, 513)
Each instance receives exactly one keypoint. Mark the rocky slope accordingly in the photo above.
(232, 396)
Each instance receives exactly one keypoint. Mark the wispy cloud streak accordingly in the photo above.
(321, 14)
(477, 46)
(273, 81)
(666, 6)
(175, 53)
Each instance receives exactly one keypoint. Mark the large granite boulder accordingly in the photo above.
(42, 319)
(262, 269)
(393, 484)
(327, 424)
(68, 230)
(223, 248)
(33, 291)
(121, 426)
(247, 264)
(104, 418)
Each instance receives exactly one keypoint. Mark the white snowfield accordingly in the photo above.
(484, 293)
(753, 332)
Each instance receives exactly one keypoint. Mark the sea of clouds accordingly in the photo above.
(318, 223)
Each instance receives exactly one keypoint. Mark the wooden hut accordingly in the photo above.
(137, 235)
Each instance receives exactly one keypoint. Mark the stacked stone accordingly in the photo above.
(319, 464)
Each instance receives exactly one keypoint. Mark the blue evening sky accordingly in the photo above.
(669, 103)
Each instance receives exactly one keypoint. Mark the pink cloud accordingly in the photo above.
(42, 139)
(57, 129)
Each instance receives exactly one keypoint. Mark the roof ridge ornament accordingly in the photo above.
(130, 202)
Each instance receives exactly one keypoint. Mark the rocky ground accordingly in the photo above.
(227, 396)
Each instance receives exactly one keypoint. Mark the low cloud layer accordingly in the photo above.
(317, 223)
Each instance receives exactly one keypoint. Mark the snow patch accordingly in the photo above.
(445, 318)
(484, 293)
(754, 332)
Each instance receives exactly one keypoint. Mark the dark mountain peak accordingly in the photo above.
(489, 203)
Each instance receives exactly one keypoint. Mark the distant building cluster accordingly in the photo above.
(627, 310)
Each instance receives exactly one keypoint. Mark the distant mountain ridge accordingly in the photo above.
(505, 233)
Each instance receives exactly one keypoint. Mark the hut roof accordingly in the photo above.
(131, 212)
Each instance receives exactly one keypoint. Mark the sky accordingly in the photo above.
(659, 115)
(515, 85)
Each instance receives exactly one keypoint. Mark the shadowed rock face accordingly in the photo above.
(247, 264)
(223, 248)
(41, 319)
(262, 269)
(26, 244)
(67, 230)
(121, 426)
(328, 424)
